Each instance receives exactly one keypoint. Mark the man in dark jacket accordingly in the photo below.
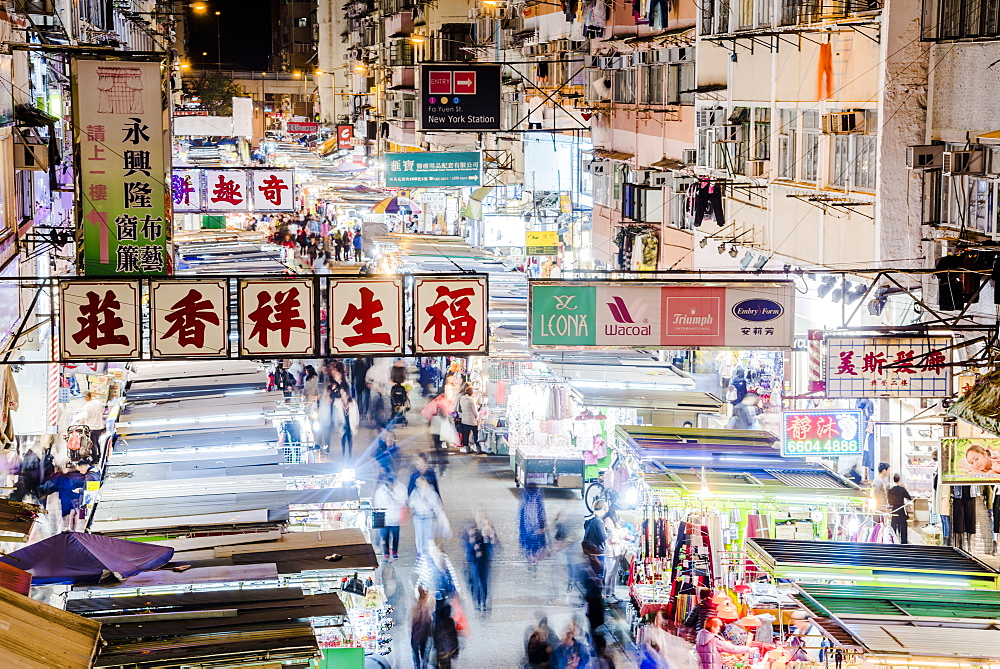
(898, 498)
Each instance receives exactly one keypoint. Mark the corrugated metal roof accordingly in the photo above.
(910, 639)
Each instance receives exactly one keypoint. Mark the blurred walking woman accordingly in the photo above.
(348, 408)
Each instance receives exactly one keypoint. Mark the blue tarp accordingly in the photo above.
(75, 557)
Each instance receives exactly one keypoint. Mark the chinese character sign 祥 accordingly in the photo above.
(365, 316)
(99, 320)
(449, 316)
(821, 433)
(122, 148)
(189, 318)
(888, 367)
(277, 317)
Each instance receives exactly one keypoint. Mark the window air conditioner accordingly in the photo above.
(963, 162)
(844, 123)
(604, 62)
(660, 179)
(639, 177)
(709, 116)
(924, 157)
(591, 61)
(639, 58)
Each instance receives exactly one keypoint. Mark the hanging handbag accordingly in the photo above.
(354, 586)
(378, 520)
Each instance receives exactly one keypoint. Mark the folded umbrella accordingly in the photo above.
(76, 557)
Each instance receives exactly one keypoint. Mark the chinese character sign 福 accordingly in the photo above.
(365, 316)
(821, 433)
(122, 140)
(888, 367)
(449, 316)
(99, 320)
(189, 319)
(277, 317)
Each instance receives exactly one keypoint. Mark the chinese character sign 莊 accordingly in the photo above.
(122, 140)
(99, 320)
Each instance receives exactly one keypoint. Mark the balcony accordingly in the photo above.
(399, 24)
(721, 18)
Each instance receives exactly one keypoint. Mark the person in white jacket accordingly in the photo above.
(425, 504)
(390, 496)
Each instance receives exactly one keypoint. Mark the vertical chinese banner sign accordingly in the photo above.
(189, 319)
(122, 148)
(277, 318)
(449, 316)
(366, 317)
(99, 320)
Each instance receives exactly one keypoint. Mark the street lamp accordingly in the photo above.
(218, 39)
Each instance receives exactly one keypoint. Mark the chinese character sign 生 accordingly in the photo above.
(122, 147)
(365, 316)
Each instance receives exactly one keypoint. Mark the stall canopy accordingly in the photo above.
(850, 602)
(75, 557)
(872, 564)
(700, 446)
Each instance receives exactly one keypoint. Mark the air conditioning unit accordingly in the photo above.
(963, 162)
(638, 58)
(591, 61)
(598, 167)
(844, 123)
(675, 55)
(689, 156)
(660, 179)
(639, 177)
(757, 169)
(617, 63)
(709, 116)
(604, 62)
(561, 45)
(924, 157)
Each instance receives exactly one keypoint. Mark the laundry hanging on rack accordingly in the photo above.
(707, 199)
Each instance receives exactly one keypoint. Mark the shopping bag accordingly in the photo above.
(449, 435)
(443, 527)
(458, 615)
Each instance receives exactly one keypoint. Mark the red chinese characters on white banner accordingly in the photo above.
(277, 317)
(366, 316)
(190, 319)
(273, 190)
(99, 320)
(449, 316)
(226, 190)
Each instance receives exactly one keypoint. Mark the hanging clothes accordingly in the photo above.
(963, 508)
(708, 196)
(824, 73)
(656, 16)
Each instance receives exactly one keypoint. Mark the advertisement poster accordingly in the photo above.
(541, 242)
(820, 433)
(970, 460)
(459, 96)
(648, 314)
(122, 150)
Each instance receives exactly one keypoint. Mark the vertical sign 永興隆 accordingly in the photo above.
(122, 140)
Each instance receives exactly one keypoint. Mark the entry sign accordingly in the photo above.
(99, 320)
(888, 367)
(449, 316)
(277, 317)
(459, 96)
(641, 314)
(821, 433)
(366, 317)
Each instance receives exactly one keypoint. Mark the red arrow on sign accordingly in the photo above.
(100, 219)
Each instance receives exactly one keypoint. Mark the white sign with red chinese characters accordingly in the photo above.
(190, 318)
(888, 367)
(273, 190)
(366, 316)
(226, 190)
(99, 320)
(277, 317)
(185, 190)
(449, 316)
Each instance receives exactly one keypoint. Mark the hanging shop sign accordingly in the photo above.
(189, 318)
(99, 320)
(302, 127)
(277, 316)
(273, 190)
(224, 317)
(820, 433)
(186, 187)
(365, 316)
(345, 136)
(449, 316)
(459, 96)
(649, 314)
(888, 367)
(970, 460)
(226, 190)
(431, 169)
(541, 242)
(122, 148)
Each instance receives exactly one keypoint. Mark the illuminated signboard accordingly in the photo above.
(821, 433)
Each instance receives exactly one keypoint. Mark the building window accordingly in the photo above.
(302, 47)
(810, 147)
(961, 19)
(624, 85)
(302, 22)
(652, 90)
(854, 158)
(762, 133)
(787, 131)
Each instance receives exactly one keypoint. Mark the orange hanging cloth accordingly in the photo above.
(824, 75)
